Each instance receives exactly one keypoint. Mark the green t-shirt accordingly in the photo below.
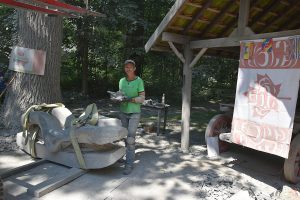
(131, 89)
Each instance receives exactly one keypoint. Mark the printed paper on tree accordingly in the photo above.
(26, 60)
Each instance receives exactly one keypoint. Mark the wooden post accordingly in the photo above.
(243, 16)
(186, 99)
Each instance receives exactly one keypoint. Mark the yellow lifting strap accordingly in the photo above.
(31, 137)
(90, 116)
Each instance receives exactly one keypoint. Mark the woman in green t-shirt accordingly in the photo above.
(133, 88)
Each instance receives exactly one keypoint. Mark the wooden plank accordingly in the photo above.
(214, 10)
(217, 18)
(176, 38)
(177, 53)
(197, 57)
(235, 41)
(164, 23)
(185, 17)
(204, 21)
(231, 25)
(177, 28)
(243, 16)
(22, 169)
(56, 182)
(193, 4)
(195, 19)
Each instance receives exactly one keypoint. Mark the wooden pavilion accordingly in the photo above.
(194, 27)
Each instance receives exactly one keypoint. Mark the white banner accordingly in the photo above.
(266, 95)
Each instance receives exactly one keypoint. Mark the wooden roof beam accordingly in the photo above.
(194, 4)
(190, 18)
(177, 28)
(176, 38)
(214, 10)
(199, 14)
(185, 17)
(177, 53)
(231, 25)
(243, 16)
(164, 23)
(235, 41)
(217, 18)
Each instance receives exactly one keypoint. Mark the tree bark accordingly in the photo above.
(35, 31)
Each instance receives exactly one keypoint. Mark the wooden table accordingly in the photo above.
(161, 109)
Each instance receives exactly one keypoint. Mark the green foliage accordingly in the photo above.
(6, 24)
(121, 35)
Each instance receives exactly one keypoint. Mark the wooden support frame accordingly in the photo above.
(178, 4)
(176, 38)
(197, 57)
(46, 186)
(179, 35)
(186, 99)
(243, 16)
(177, 53)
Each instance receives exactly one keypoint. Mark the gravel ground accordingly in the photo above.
(209, 184)
(8, 144)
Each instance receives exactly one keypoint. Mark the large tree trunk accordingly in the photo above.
(35, 31)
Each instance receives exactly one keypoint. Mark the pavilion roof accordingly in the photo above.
(211, 19)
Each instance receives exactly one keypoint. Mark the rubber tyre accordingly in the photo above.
(219, 124)
(292, 164)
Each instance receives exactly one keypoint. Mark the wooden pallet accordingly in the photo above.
(46, 186)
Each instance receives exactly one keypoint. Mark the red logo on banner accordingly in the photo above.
(264, 95)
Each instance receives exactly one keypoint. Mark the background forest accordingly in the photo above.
(94, 50)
